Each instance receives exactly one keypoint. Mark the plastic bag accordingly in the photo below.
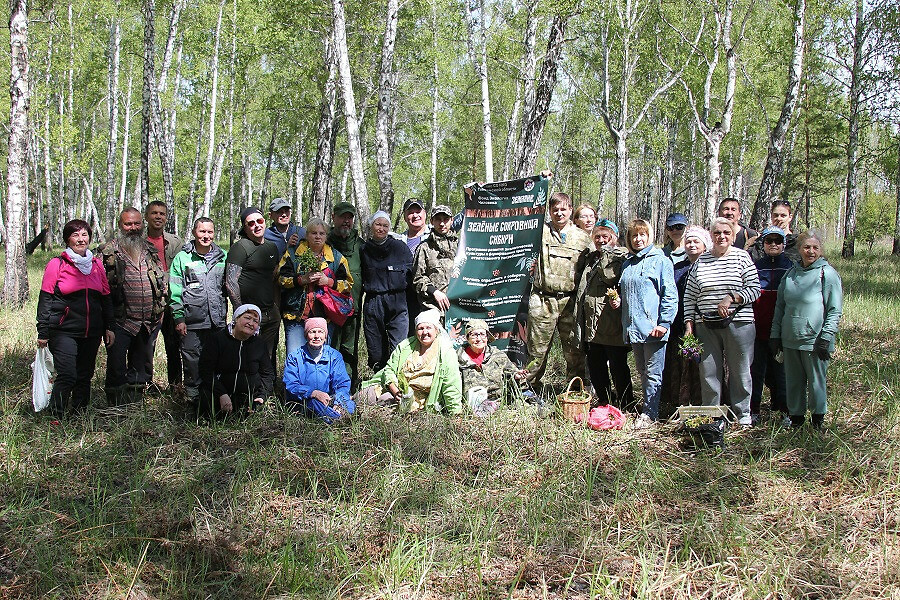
(604, 418)
(42, 381)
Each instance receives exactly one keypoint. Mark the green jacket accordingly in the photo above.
(560, 252)
(350, 248)
(196, 287)
(595, 320)
(809, 306)
(446, 387)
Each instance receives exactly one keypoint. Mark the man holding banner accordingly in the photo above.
(551, 305)
(433, 261)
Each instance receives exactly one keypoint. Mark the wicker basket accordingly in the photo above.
(574, 401)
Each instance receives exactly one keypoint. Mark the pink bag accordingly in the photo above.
(604, 418)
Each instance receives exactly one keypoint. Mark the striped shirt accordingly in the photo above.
(712, 278)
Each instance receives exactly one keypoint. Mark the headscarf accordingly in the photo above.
(241, 310)
(432, 316)
(379, 215)
(315, 322)
(699, 233)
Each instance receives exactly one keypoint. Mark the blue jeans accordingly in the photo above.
(650, 358)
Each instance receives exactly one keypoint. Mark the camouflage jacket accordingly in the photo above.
(560, 252)
(495, 371)
(432, 265)
(595, 320)
(114, 263)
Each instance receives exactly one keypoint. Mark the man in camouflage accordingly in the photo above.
(346, 239)
(550, 306)
(433, 260)
(140, 289)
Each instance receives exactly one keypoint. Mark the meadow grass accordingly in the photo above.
(143, 502)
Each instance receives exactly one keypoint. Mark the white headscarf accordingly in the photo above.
(432, 316)
(241, 310)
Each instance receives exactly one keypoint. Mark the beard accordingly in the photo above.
(343, 232)
(132, 243)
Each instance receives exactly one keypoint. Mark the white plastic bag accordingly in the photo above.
(42, 382)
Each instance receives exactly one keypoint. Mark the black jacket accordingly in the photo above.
(386, 267)
(234, 367)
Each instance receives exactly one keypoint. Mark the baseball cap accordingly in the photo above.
(278, 203)
(412, 202)
(772, 230)
(441, 209)
(676, 219)
(342, 208)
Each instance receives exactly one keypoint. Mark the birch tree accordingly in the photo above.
(477, 28)
(776, 155)
(714, 124)
(354, 149)
(115, 43)
(386, 83)
(15, 283)
(208, 175)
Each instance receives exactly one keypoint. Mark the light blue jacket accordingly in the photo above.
(303, 376)
(649, 295)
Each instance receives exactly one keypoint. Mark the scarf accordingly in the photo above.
(82, 263)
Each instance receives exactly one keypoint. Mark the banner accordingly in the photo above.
(499, 246)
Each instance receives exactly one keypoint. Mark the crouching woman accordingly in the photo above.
(233, 364)
(315, 378)
(421, 373)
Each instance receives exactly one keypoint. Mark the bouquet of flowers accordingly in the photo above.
(690, 347)
(612, 294)
(308, 262)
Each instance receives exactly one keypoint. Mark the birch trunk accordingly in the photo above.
(208, 192)
(775, 158)
(360, 191)
(852, 195)
(146, 97)
(325, 138)
(896, 249)
(123, 186)
(536, 118)
(48, 179)
(476, 23)
(264, 190)
(524, 93)
(435, 98)
(386, 84)
(195, 175)
(115, 40)
(15, 284)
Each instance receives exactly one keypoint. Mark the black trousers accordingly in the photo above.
(74, 359)
(191, 347)
(268, 333)
(172, 344)
(128, 358)
(385, 326)
(604, 360)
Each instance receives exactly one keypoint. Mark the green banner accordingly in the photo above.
(499, 245)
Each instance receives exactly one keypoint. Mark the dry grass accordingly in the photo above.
(143, 503)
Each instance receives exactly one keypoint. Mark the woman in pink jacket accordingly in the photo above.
(74, 312)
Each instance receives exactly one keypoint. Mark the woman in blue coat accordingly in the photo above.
(315, 378)
(649, 305)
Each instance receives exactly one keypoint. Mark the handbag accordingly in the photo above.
(338, 307)
(42, 381)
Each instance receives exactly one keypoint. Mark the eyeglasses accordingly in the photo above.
(677, 227)
(773, 241)
(259, 221)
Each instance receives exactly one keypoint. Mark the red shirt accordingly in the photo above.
(160, 244)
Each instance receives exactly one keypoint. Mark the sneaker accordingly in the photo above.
(643, 422)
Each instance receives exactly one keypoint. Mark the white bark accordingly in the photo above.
(123, 186)
(526, 86)
(115, 41)
(360, 191)
(476, 23)
(852, 188)
(435, 98)
(209, 191)
(15, 284)
(387, 81)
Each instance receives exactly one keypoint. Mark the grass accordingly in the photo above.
(144, 503)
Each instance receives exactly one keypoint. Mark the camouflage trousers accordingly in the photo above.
(546, 314)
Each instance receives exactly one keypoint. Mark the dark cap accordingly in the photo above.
(676, 219)
(247, 212)
(412, 202)
(342, 208)
(441, 209)
(278, 203)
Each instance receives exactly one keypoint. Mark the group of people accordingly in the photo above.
(765, 308)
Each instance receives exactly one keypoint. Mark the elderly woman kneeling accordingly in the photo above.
(483, 366)
(422, 372)
(315, 378)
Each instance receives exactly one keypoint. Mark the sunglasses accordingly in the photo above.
(773, 241)
(784, 203)
(259, 221)
(678, 227)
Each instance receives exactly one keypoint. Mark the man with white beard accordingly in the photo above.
(139, 289)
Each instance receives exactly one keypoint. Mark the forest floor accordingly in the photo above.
(145, 503)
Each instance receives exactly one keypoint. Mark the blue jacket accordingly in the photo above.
(274, 236)
(649, 296)
(303, 375)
